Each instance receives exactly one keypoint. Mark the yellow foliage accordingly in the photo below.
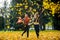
(34, 10)
(25, 0)
(20, 9)
(26, 3)
(20, 4)
(7, 21)
(12, 8)
(49, 35)
(17, 4)
(26, 6)
(8, 26)
(46, 5)
(20, 12)
(51, 6)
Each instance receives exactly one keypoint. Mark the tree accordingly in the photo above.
(55, 1)
(45, 17)
(5, 14)
(1, 22)
(56, 21)
(21, 7)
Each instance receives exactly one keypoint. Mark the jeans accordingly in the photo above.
(37, 30)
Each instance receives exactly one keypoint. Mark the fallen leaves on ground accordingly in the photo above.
(16, 35)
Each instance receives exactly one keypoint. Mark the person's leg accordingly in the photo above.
(37, 30)
(27, 30)
(24, 30)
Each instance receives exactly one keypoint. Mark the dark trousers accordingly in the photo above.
(37, 30)
(26, 30)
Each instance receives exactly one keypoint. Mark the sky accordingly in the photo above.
(2, 3)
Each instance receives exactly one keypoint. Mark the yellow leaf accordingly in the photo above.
(21, 4)
(17, 4)
(26, 6)
(34, 10)
(8, 26)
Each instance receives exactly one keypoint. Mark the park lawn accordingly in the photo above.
(16, 35)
